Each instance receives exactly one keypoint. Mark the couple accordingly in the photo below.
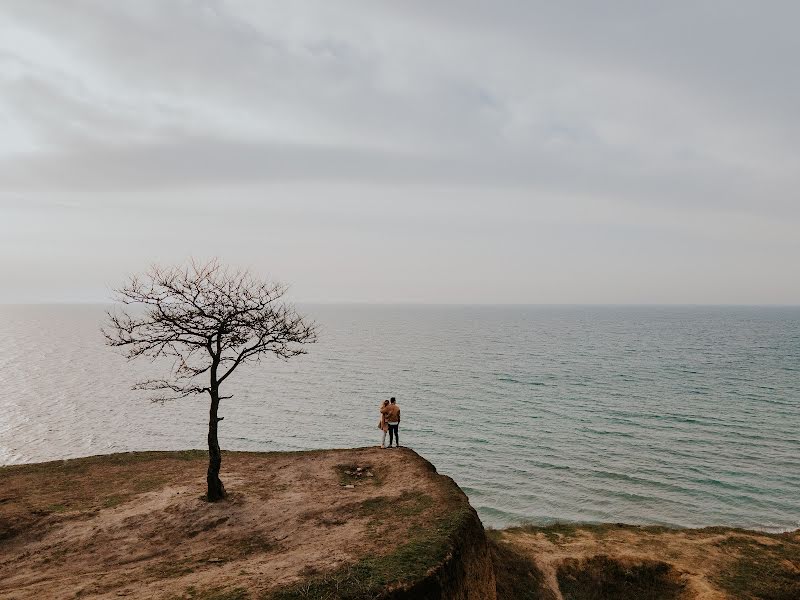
(390, 420)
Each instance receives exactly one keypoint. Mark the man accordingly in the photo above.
(392, 414)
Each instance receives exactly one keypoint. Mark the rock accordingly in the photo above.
(349, 487)
(214, 560)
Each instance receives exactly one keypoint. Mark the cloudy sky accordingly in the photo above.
(467, 152)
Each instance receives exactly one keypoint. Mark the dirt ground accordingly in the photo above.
(135, 525)
(654, 562)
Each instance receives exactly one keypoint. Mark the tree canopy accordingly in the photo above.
(209, 320)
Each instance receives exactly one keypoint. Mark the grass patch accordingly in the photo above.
(604, 578)
(191, 454)
(114, 500)
(217, 594)
(560, 532)
(253, 544)
(760, 571)
(410, 504)
(407, 504)
(148, 484)
(370, 576)
(373, 506)
(82, 486)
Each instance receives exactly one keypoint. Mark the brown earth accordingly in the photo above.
(361, 523)
(135, 525)
(622, 562)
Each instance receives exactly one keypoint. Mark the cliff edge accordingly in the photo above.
(350, 524)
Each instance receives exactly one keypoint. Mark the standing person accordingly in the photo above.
(392, 413)
(382, 423)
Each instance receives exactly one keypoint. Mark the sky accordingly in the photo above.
(426, 152)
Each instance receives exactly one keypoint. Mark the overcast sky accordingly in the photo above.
(467, 152)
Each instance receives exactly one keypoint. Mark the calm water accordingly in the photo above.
(672, 415)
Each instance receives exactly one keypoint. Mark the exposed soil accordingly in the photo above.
(136, 525)
(348, 524)
(621, 562)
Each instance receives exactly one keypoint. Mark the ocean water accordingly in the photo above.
(686, 416)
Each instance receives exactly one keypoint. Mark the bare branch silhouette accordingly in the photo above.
(209, 320)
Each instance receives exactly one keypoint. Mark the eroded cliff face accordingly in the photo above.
(351, 524)
(467, 573)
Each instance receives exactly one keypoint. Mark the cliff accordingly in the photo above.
(350, 524)
(340, 524)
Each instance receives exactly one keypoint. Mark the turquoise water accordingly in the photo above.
(683, 416)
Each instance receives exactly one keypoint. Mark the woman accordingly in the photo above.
(382, 424)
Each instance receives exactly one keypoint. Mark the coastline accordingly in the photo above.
(545, 431)
(294, 518)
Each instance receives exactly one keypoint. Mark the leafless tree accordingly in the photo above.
(208, 320)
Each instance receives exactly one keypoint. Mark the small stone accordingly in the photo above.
(359, 469)
(370, 474)
(214, 560)
(349, 487)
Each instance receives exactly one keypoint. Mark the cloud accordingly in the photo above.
(677, 115)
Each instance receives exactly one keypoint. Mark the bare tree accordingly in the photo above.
(208, 320)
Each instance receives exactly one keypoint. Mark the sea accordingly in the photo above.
(683, 416)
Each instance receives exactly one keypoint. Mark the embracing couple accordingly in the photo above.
(390, 420)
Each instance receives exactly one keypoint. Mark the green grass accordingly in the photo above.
(408, 504)
(74, 466)
(114, 500)
(368, 577)
(560, 531)
(217, 593)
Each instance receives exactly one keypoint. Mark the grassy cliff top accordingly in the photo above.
(296, 525)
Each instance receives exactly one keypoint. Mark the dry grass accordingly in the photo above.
(626, 562)
(135, 525)
(517, 576)
(759, 570)
(83, 486)
(604, 578)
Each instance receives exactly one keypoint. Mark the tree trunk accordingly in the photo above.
(216, 491)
